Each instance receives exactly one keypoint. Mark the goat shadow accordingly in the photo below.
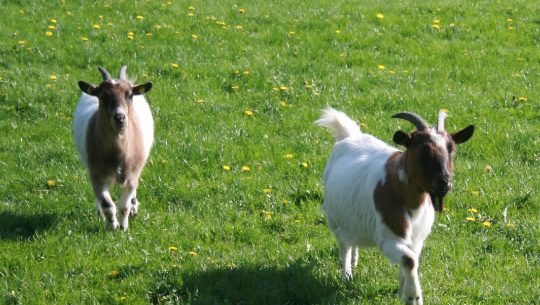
(17, 226)
(295, 284)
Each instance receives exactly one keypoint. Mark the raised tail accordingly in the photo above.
(341, 125)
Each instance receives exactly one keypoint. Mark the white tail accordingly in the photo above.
(341, 125)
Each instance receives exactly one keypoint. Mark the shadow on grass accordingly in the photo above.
(295, 284)
(22, 226)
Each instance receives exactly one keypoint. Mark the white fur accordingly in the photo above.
(355, 168)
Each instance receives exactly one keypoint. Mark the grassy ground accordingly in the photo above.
(231, 196)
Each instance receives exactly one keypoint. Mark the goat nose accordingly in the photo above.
(444, 182)
(120, 117)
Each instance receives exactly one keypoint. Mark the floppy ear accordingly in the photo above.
(463, 135)
(88, 88)
(142, 89)
(402, 138)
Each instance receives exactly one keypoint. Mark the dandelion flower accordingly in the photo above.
(51, 183)
(51, 27)
(452, 25)
(282, 104)
(235, 87)
(191, 8)
(522, 99)
(96, 26)
(486, 224)
(194, 36)
(289, 156)
(115, 273)
(248, 113)
(84, 38)
(226, 168)
(470, 218)
(139, 18)
(266, 214)
(283, 88)
(338, 32)
(267, 190)
(192, 253)
(53, 77)
(509, 20)
(381, 67)
(175, 66)
(292, 33)
(246, 169)
(436, 26)
(304, 164)
(48, 33)
(472, 210)
(52, 20)
(173, 249)
(241, 11)
(131, 35)
(436, 21)
(285, 202)
(379, 16)
(21, 42)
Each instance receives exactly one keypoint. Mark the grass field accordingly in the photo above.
(231, 195)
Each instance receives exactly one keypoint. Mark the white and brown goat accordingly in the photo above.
(377, 195)
(114, 132)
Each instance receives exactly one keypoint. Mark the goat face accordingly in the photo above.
(115, 98)
(429, 161)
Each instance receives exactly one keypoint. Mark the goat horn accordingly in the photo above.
(443, 113)
(122, 75)
(414, 118)
(106, 75)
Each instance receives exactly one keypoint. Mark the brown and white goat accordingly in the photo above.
(376, 195)
(114, 132)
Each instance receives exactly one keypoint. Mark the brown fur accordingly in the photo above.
(394, 198)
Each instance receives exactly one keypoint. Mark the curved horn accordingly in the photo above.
(443, 113)
(105, 74)
(122, 75)
(414, 118)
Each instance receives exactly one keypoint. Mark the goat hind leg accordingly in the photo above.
(345, 252)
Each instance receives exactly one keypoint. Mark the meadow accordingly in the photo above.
(230, 199)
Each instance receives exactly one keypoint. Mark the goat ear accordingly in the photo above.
(402, 138)
(142, 89)
(88, 88)
(463, 135)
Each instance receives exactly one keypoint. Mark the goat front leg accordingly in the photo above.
(106, 207)
(127, 203)
(398, 252)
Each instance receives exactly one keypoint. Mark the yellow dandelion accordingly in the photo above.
(241, 11)
(511, 28)
(96, 26)
(475, 193)
(48, 33)
(248, 113)
(84, 38)
(470, 218)
(266, 214)
(123, 298)
(239, 28)
(488, 168)
(21, 42)
(509, 20)
(51, 183)
(379, 16)
(192, 253)
(139, 17)
(510, 225)
(226, 168)
(246, 169)
(472, 210)
(100, 17)
(53, 77)
(194, 36)
(283, 88)
(452, 25)
(174, 66)
(285, 202)
(381, 67)
(304, 164)
(130, 35)
(338, 32)
(289, 156)
(436, 21)
(173, 249)
(522, 99)
(191, 8)
(115, 273)
(51, 27)
(235, 87)
(436, 26)
(282, 104)
(267, 190)
(292, 33)
(52, 20)
(486, 224)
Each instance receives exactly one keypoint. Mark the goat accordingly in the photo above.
(113, 130)
(377, 195)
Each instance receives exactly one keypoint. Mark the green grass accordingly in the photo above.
(237, 243)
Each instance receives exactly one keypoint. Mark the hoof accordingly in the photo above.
(112, 225)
